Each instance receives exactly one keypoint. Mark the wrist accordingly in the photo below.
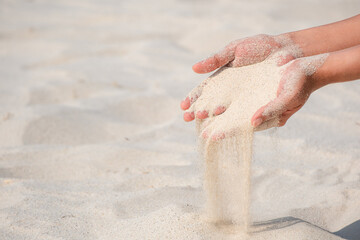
(317, 80)
(287, 42)
(316, 70)
(322, 77)
(285, 39)
(311, 41)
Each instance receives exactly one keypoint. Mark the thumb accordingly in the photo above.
(273, 109)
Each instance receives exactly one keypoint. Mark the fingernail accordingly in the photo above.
(188, 116)
(202, 114)
(185, 104)
(257, 122)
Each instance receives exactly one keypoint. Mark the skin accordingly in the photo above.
(339, 66)
(238, 53)
(340, 39)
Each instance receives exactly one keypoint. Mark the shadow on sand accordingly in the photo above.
(274, 224)
(350, 232)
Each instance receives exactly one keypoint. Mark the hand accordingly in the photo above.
(239, 53)
(295, 87)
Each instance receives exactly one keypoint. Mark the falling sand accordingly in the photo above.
(227, 180)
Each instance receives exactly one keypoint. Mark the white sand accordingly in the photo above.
(227, 162)
(93, 145)
(242, 91)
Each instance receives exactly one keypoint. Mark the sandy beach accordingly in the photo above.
(92, 140)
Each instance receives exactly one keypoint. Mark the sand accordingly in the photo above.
(93, 145)
(227, 163)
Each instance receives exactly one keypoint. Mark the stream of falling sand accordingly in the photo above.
(228, 179)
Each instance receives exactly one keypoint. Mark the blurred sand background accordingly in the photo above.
(92, 141)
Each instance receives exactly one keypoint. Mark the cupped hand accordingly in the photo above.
(238, 53)
(295, 87)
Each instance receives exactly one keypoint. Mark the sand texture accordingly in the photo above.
(227, 162)
(93, 145)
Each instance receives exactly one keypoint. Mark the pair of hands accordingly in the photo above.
(249, 51)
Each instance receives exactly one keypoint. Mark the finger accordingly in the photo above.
(218, 60)
(205, 134)
(196, 92)
(218, 136)
(252, 50)
(219, 110)
(214, 137)
(283, 121)
(267, 124)
(284, 59)
(271, 110)
(202, 114)
(189, 116)
(286, 115)
(205, 114)
(284, 118)
(184, 105)
(207, 128)
(203, 124)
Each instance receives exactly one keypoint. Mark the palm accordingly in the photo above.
(294, 90)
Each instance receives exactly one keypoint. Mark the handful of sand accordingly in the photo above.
(241, 91)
